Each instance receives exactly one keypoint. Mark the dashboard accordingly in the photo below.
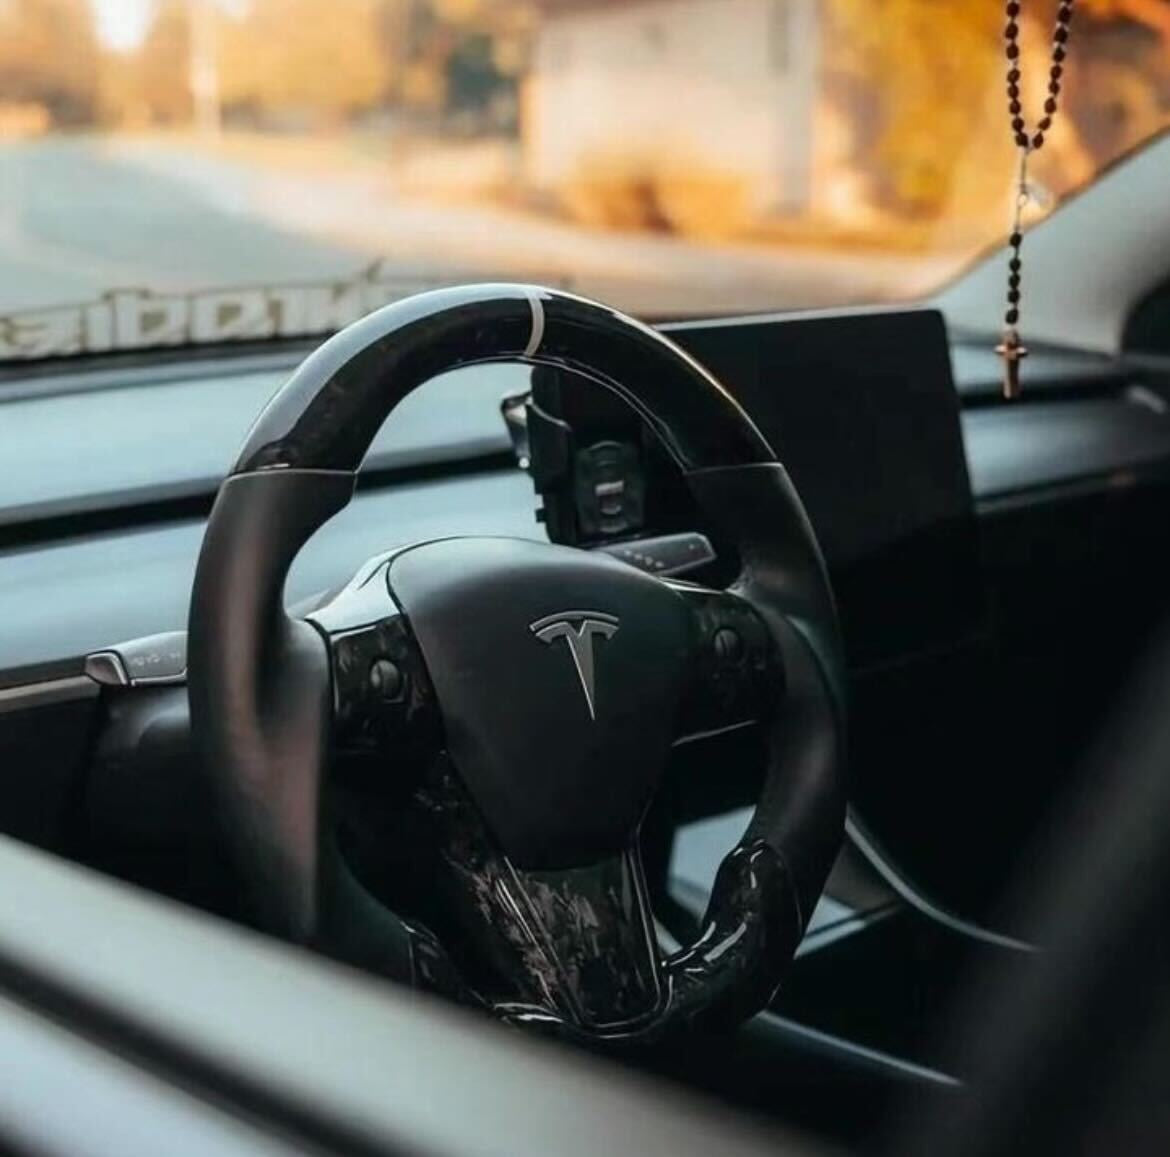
(110, 473)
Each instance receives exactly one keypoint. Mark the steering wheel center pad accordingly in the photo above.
(559, 673)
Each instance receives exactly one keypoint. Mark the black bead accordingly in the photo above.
(1050, 105)
(1013, 9)
(1012, 30)
(1060, 35)
(1014, 76)
(1018, 123)
(1054, 87)
(1014, 91)
(1014, 265)
(1064, 13)
(1014, 296)
(1022, 140)
(1056, 71)
(1037, 140)
(1045, 124)
(1016, 239)
(1013, 51)
(1013, 281)
(1015, 107)
(1012, 316)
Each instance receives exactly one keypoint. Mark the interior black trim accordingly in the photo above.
(28, 696)
(243, 1019)
(32, 674)
(195, 502)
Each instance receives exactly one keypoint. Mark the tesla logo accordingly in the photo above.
(578, 629)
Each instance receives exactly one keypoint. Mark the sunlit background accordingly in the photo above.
(675, 155)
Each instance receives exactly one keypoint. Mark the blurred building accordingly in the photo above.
(722, 88)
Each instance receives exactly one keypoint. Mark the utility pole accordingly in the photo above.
(204, 66)
(797, 29)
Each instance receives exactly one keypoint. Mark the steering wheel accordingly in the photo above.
(548, 685)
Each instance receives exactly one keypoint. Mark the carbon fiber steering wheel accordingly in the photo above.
(544, 687)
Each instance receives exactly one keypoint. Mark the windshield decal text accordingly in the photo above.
(137, 319)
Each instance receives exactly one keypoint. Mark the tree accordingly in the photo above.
(325, 60)
(49, 56)
(1122, 94)
(304, 58)
(465, 57)
(920, 82)
(912, 81)
(1153, 14)
(163, 65)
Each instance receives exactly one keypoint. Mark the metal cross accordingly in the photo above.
(1013, 352)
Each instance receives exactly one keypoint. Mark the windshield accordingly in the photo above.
(183, 171)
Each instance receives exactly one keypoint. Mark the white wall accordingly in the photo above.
(712, 82)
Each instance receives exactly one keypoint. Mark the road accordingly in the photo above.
(82, 215)
(75, 221)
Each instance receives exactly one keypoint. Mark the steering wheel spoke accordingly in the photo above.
(382, 696)
(736, 675)
(572, 949)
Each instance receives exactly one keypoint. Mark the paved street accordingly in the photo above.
(82, 215)
(75, 221)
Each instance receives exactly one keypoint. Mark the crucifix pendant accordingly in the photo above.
(1013, 352)
(1011, 349)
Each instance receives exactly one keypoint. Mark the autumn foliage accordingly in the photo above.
(921, 84)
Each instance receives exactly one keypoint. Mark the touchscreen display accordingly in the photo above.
(862, 411)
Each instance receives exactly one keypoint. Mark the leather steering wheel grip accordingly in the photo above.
(801, 810)
(261, 708)
(259, 689)
(259, 682)
(326, 415)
